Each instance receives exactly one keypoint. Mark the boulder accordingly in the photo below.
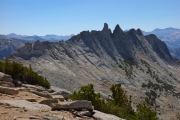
(17, 83)
(22, 89)
(58, 97)
(26, 105)
(83, 113)
(52, 117)
(1, 75)
(65, 94)
(77, 105)
(103, 116)
(60, 91)
(7, 84)
(46, 95)
(31, 100)
(34, 117)
(48, 102)
(5, 77)
(87, 113)
(34, 87)
(51, 91)
(40, 117)
(10, 91)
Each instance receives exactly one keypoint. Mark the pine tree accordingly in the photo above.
(145, 111)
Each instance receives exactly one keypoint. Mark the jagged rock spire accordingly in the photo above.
(117, 30)
(105, 28)
(139, 32)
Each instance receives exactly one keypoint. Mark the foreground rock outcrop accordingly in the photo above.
(76, 105)
(102, 116)
(35, 102)
(9, 91)
(25, 105)
(5, 77)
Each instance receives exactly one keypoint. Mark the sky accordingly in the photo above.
(65, 17)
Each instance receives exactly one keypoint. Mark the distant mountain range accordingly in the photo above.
(8, 46)
(56, 37)
(32, 39)
(11, 42)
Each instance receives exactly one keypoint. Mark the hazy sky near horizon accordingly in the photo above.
(65, 17)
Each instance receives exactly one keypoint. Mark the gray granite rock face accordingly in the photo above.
(48, 102)
(77, 105)
(103, 116)
(8, 90)
(5, 77)
(26, 105)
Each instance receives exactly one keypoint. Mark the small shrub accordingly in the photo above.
(145, 63)
(87, 93)
(167, 87)
(128, 71)
(120, 66)
(129, 62)
(145, 111)
(153, 86)
(144, 85)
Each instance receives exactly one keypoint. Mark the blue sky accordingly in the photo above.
(64, 17)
